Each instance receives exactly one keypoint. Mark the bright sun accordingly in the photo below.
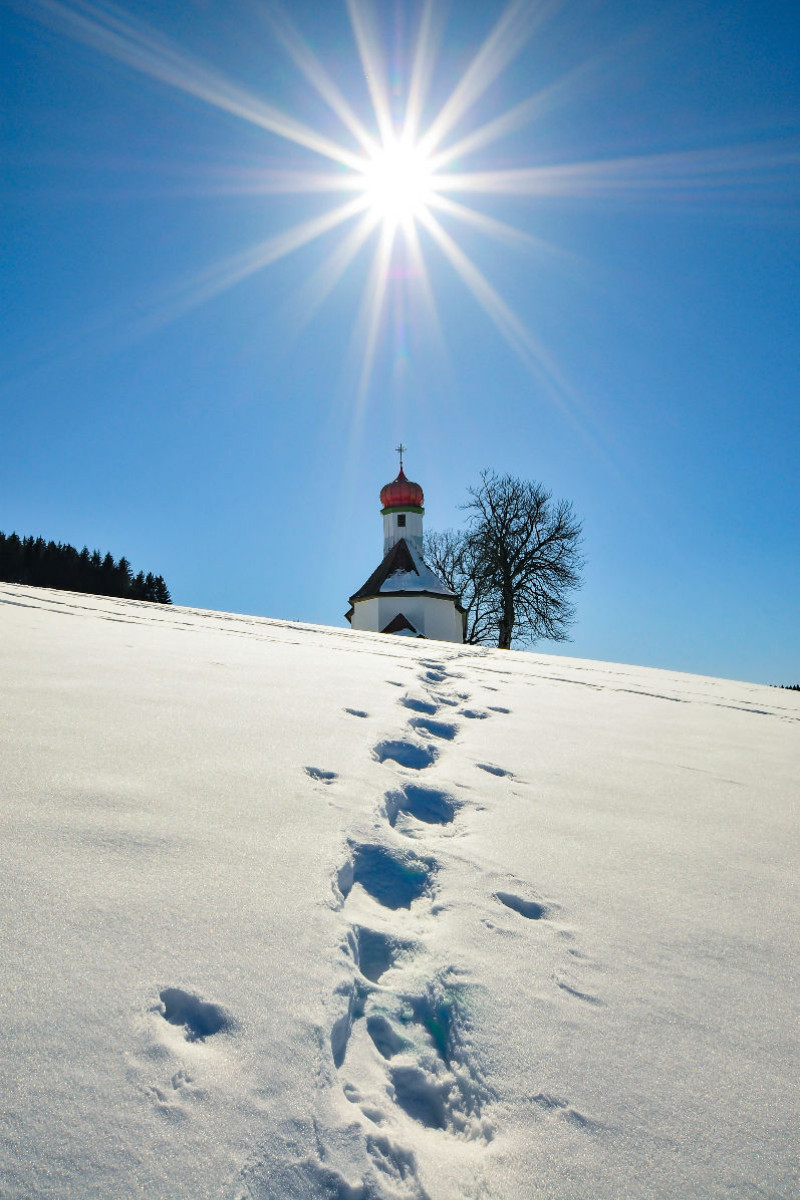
(398, 182)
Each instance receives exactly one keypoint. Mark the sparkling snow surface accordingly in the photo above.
(293, 912)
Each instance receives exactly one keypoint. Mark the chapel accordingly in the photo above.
(403, 595)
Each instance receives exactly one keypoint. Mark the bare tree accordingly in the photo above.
(515, 564)
(451, 554)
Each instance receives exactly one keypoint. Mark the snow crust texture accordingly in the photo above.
(295, 913)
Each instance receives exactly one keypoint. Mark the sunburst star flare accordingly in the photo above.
(406, 160)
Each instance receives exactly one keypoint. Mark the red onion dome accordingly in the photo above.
(402, 493)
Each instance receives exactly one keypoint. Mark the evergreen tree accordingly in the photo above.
(162, 595)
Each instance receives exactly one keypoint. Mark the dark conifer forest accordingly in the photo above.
(51, 564)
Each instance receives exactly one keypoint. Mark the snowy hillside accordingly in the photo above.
(294, 912)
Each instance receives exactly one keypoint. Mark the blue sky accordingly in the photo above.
(235, 442)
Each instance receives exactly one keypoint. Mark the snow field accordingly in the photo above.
(297, 912)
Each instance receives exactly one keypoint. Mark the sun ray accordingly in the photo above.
(372, 307)
(116, 35)
(521, 340)
(305, 59)
(421, 277)
(488, 225)
(236, 267)
(373, 66)
(642, 175)
(564, 88)
(319, 286)
(272, 182)
(503, 43)
(514, 118)
(422, 67)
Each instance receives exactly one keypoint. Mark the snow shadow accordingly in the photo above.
(434, 676)
(420, 1094)
(385, 1037)
(573, 991)
(292, 1170)
(431, 805)
(492, 770)
(376, 952)
(356, 712)
(343, 1026)
(563, 1109)
(395, 880)
(420, 706)
(407, 754)
(526, 908)
(433, 1073)
(320, 775)
(438, 729)
(200, 1018)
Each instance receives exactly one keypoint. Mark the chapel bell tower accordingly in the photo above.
(402, 510)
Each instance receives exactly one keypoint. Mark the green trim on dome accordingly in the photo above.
(401, 508)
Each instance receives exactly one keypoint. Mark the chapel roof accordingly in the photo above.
(401, 624)
(402, 570)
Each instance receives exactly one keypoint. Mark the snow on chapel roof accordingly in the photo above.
(402, 570)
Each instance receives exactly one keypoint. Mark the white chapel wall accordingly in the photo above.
(434, 618)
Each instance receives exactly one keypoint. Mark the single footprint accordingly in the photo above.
(420, 706)
(438, 729)
(356, 712)
(497, 708)
(431, 805)
(375, 952)
(407, 754)
(532, 909)
(319, 774)
(200, 1018)
(434, 676)
(492, 770)
(474, 714)
(392, 878)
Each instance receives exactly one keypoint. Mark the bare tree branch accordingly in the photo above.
(451, 556)
(515, 564)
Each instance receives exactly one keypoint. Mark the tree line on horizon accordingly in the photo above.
(38, 563)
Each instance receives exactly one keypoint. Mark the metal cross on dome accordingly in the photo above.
(401, 449)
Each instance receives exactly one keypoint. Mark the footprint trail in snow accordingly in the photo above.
(403, 1042)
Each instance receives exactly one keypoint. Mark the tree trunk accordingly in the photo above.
(506, 624)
